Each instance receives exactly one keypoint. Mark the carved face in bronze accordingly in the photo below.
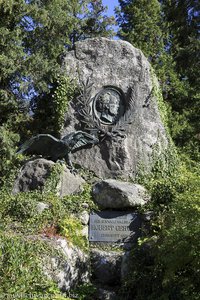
(108, 105)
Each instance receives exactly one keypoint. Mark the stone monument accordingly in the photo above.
(118, 99)
(117, 114)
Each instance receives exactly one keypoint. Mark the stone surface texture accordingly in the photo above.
(70, 183)
(41, 206)
(113, 193)
(84, 217)
(34, 174)
(117, 63)
(105, 294)
(125, 266)
(106, 266)
(70, 269)
(85, 231)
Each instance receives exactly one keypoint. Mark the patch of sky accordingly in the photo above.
(111, 4)
(28, 23)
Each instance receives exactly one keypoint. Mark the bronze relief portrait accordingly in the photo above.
(108, 105)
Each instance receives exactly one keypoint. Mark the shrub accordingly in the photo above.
(166, 265)
(9, 160)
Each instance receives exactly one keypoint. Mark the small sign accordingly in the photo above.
(114, 227)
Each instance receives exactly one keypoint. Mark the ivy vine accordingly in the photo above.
(63, 94)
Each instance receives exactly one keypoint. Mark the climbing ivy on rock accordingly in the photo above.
(165, 162)
(64, 92)
(50, 108)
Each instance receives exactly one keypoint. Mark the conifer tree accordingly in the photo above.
(167, 33)
(87, 19)
(182, 20)
(12, 58)
(33, 36)
(139, 22)
(97, 22)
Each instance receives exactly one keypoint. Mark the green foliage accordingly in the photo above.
(85, 292)
(165, 265)
(52, 182)
(167, 32)
(22, 229)
(46, 27)
(9, 160)
(74, 202)
(139, 21)
(192, 148)
(162, 106)
(35, 34)
(178, 250)
(91, 22)
(33, 37)
(142, 24)
(54, 105)
(21, 272)
(182, 19)
(96, 22)
(63, 93)
(12, 53)
(71, 229)
(20, 267)
(165, 168)
(144, 279)
(19, 212)
(165, 163)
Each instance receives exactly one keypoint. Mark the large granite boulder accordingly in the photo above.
(35, 173)
(116, 194)
(68, 269)
(70, 183)
(110, 268)
(122, 86)
(106, 266)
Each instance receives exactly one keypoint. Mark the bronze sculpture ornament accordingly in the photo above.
(55, 149)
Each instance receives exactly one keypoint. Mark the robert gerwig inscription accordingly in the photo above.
(113, 226)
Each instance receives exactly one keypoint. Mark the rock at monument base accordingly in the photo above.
(117, 64)
(85, 232)
(113, 193)
(34, 174)
(70, 183)
(106, 267)
(71, 269)
(41, 206)
(84, 217)
(125, 266)
(105, 294)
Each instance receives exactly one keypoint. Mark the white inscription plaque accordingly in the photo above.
(114, 226)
